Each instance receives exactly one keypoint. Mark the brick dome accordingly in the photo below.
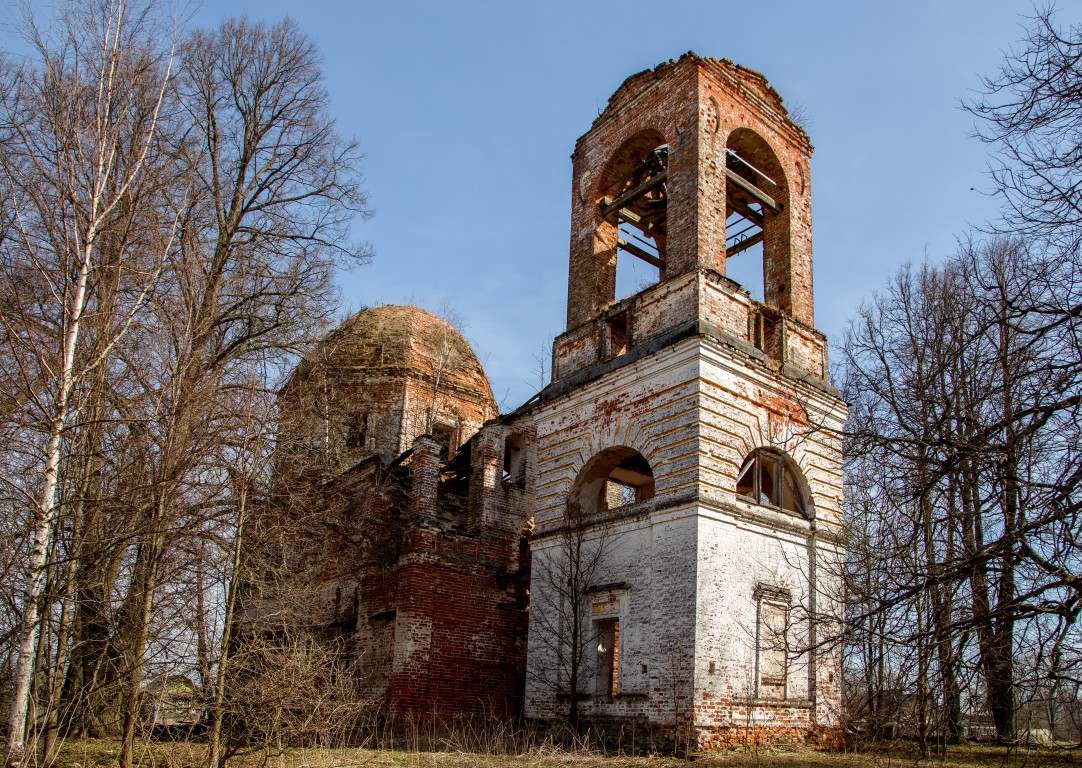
(404, 337)
(383, 377)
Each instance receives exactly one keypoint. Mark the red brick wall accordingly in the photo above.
(458, 592)
(468, 653)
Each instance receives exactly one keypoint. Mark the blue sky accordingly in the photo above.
(468, 112)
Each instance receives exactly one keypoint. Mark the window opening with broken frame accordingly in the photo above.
(767, 478)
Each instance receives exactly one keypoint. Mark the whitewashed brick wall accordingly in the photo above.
(690, 560)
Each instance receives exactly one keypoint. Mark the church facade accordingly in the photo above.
(652, 541)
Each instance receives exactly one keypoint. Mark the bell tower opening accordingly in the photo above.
(633, 212)
(619, 221)
(755, 220)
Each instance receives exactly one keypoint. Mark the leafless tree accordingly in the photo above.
(291, 690)
(248, 483)
(80, 126)
(162, 268)
(1028, 113)
(450, 358)
(962, 434)
(275, 188)
(567, 574)
(1029, 116)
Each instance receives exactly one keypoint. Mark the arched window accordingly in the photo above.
(613, 478)
(772, 478)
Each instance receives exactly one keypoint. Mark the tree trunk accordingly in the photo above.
(63, 632)
(45, 521)
(146, 576)
(214, 739)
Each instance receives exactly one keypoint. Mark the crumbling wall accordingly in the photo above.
(407, 556)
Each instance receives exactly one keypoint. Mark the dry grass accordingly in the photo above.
(102, 753)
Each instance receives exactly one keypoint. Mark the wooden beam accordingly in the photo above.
(641, 224)
(753, 190)
(651, 159)
(746, 211)
(635, 250)
(633, 194)
(743, 245)
(631, 217)
(733, 154)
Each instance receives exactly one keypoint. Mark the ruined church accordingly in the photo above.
(653, 540)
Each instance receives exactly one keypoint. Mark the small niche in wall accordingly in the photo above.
(617, 335)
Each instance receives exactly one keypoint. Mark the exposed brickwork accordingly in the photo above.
(472, 657)
(414, 553)
(383, 377)
(425, 479)
(699, 296)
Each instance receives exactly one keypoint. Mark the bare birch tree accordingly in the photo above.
(80, 125)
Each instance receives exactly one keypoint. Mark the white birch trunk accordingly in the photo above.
(102, 199)
(45, 523)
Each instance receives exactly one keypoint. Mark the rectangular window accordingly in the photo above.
(514, 460)
(772, 642)
(608, 657)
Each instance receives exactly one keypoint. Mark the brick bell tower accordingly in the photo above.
(688, 477)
